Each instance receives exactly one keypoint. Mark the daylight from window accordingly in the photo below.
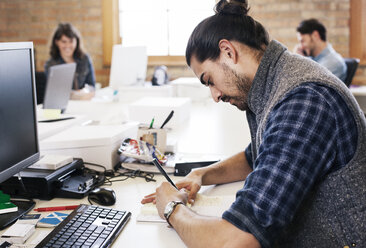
(163, 26)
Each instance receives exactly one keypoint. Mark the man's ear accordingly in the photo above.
(228, 50)
(315, 34)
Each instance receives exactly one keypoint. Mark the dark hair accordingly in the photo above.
(71, 32)
(311, 25)
(230, 22)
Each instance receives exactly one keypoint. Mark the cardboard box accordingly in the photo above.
(145, 109)
(94, 144)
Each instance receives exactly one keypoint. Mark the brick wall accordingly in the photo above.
(35, 20)
(281, 17)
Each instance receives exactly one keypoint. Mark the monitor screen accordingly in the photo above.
(128, 67)
(19, 146)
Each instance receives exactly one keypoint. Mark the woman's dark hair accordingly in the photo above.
(230, 22)
(71, 32)
(311, 25)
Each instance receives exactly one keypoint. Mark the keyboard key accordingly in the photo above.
(98, 243)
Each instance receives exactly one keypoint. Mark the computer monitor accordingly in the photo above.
(19, 146)
(128, 66)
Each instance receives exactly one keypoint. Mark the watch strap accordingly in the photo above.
(172, 205)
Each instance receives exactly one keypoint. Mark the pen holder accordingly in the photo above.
(153, 136)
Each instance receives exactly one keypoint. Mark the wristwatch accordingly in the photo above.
(169, 209)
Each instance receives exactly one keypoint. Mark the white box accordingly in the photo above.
(145, 109)
(190, 87)
(94, 144)
(134, 93)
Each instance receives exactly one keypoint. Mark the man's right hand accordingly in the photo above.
(299, 50)
(192, 183)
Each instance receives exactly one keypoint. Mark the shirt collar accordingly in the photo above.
(327, 50)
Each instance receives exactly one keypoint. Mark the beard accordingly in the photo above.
(242, 84)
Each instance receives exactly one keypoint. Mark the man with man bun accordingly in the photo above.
(305, 167)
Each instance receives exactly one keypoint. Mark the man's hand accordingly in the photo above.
(299, 50)
(191, 183)
(166, 193)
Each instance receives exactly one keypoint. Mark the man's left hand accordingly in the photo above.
(166, 193)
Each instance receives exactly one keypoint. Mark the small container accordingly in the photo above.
(153, 136)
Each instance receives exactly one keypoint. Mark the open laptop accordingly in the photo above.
(59, 84)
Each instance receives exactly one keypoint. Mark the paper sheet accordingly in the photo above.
(204, 205)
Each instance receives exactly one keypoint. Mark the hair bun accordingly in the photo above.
(232, 7)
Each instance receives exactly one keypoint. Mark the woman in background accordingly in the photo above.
(66, 48)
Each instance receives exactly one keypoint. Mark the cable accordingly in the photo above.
(133, 174)
(107, 177)
(27, 195)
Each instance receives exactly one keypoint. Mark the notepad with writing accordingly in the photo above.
(204, 205)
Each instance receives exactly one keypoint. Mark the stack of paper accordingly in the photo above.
(18, 233)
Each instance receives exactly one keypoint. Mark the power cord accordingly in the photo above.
(107, 177)
(27, 195)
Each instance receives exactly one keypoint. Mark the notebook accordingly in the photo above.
(59, 85)
(204, 205)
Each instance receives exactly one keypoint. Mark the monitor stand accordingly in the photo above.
(24, 206)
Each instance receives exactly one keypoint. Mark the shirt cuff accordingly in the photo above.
(244, 221)
(248, 155)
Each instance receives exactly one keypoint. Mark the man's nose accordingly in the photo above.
(216, 94)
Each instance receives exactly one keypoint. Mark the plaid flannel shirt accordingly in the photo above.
(309, 134)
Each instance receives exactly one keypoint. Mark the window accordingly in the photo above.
(163, 26)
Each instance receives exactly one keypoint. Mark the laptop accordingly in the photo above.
(59, 85)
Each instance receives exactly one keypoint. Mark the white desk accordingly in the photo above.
(138, 234)
(213, 129)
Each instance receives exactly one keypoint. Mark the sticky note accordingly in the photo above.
(51, 113)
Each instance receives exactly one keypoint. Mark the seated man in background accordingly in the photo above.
(313, 43)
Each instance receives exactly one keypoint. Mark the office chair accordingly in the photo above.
(41, 81)
(352, 64)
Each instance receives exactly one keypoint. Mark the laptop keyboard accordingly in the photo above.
(87, 226)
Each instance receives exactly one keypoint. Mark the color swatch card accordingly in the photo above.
(52, 219)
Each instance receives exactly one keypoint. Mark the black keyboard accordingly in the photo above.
(87, 226)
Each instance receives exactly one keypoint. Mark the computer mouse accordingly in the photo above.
(102, 196)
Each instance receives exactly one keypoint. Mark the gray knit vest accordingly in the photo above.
(333, 214)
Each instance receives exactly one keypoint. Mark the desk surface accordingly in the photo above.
(213, 129)
(129, 194)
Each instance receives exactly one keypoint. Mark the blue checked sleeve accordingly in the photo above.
(301, 144)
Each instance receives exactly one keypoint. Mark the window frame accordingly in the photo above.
(357, 44)
(111, 36)
(110, 29)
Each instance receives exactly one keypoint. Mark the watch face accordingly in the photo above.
(169, 208)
